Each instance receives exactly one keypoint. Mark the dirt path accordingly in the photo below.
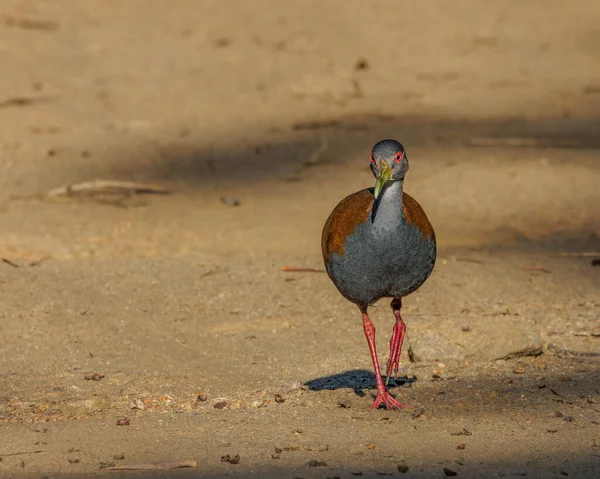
(258, 119)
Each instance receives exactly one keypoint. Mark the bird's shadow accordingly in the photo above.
(357, 380)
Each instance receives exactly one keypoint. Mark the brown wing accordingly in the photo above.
(414, 214)
(351, 212)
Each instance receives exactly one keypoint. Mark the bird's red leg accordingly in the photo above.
(396, 341)
(383, 397)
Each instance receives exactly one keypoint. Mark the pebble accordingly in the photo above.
(230, 201)
(418, 412)
(231, 459)
(138, 404)
(124, 421)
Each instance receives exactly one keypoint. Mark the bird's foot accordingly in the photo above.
(387, 400)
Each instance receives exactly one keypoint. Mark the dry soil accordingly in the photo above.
(137, 328)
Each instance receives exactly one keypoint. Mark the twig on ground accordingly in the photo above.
(27, 265)
(107, 186)
(541, 269)
(19, 453)
(579, 254)
(18, 101)
(292, 269)
(531, 142)
(10, 263)
(152, 466)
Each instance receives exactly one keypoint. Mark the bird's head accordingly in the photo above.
(388, 163)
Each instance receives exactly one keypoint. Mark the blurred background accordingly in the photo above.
(161, 162)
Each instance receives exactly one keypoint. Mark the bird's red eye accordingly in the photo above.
(398, 157)
(372, 160)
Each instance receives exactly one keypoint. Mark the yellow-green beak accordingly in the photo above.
(384, 174)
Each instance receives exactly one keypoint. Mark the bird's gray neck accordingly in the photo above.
(388, 214)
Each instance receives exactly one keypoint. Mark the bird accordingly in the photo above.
(378, 243)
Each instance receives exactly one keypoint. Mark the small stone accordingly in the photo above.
(464, 432)
(361, 64)
(220, 405)
(370, 446)
(138, 404)
(201, 397)
(402, 468)
(461, 446)
(279, 399)
(519, 369)
(569, 419)
(222, 42)
(315, 463)
(73, 460)
(124, 421)
(119, 457)
(449, 472)
(418, 412)
(230, 201)
(231, 459)
(93, 377)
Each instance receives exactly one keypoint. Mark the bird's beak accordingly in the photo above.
(384, 174)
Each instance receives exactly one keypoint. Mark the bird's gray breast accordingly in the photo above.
(383, 263)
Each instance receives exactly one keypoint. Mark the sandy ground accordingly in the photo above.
(201, 345)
